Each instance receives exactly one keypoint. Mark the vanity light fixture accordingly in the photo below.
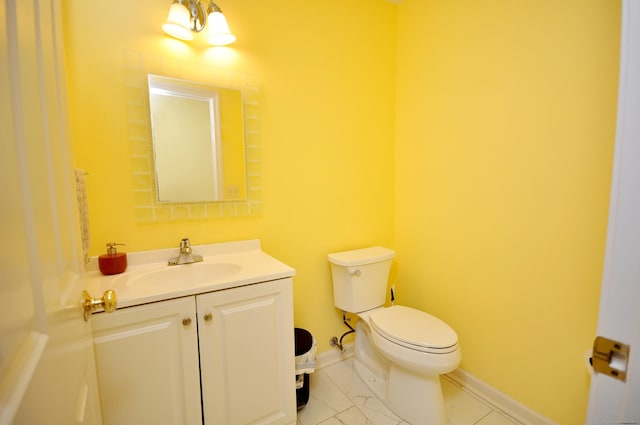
(189, 16)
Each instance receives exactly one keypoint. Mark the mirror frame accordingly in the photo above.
(148, 209)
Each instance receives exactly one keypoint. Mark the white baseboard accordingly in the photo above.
(497, 399)
(333, 356)
(467, 381)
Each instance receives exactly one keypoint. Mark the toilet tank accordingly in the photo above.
(360, 278)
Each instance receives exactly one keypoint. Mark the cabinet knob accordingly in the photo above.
(186, 321)
(208, 317)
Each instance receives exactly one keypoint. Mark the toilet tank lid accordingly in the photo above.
(358, 257)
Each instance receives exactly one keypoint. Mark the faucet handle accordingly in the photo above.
(185, 246)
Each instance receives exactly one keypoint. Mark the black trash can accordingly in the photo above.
(305, 362)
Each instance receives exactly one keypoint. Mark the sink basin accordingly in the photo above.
(186, 275)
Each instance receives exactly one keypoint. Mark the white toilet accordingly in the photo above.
(400, 352)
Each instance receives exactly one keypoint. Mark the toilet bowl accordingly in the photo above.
(414, 339)
(400, 352)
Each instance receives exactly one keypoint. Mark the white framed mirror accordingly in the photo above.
(198, 141)
(240, 190)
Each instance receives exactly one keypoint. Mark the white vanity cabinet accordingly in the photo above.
(225, 357)
(247, 354)
(147, 364)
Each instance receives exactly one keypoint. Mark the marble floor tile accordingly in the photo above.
(346, 378)
(497, 418)
(325, 400)
(352, 416)
(339, 397)
(462, 408)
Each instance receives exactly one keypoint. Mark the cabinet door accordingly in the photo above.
(247, 354)
(147, 362)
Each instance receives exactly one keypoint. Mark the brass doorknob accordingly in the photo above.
(108, 302)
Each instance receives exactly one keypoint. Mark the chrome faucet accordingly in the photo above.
(186, 254)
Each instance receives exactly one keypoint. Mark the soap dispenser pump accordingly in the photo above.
(113, 262)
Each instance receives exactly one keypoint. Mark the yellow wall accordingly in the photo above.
(327, 129)
(500, 170)
(505, 131)
(231, 133)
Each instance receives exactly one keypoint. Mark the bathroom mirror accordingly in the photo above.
(198, 141)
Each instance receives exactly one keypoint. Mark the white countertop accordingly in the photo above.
(138, 284)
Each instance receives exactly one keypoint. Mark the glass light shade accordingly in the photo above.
(178, 22)
(219, 33)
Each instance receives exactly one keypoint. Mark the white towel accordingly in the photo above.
(83, 211)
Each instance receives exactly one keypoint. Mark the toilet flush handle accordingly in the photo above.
(356, 273)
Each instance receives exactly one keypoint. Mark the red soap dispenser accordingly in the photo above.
(113, 262)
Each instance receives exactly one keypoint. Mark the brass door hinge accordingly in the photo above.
(610, 357)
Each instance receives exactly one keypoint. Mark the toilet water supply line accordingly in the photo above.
(335, 342)
(338, 343)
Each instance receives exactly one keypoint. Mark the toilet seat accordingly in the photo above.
(414, 329)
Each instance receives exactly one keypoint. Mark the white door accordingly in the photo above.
(47, 371)
(613, 401)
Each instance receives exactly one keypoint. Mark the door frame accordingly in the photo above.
(612, 401)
